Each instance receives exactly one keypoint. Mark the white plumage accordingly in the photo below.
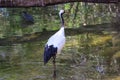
(57, 40)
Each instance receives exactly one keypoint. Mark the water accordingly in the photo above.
(85, 56)
(25, 62)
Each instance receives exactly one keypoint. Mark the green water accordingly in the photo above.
(25, 62)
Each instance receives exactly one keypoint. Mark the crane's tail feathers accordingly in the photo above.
(49, 52)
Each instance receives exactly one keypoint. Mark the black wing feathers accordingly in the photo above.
(49, 52)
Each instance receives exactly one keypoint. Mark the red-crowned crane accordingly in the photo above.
(55, 44)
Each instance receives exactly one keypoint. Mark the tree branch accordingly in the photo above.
(31, 3)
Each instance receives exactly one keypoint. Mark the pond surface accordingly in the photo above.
(25, 62)
(85, 56)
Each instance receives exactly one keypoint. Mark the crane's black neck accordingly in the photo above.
(62, 20)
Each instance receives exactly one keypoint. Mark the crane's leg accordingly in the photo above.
(54, 65)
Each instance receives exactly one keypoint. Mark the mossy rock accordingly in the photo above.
(117, 54)
(109, 52)
(116, 39)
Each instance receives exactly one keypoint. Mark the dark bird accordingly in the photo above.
(55, 44)
(27, 17)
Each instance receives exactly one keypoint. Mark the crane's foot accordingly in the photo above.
(54, 65)
(54, 75)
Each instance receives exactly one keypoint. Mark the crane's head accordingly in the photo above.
(61, 17)
(61, 12)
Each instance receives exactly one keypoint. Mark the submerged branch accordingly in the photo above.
(40, 36)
